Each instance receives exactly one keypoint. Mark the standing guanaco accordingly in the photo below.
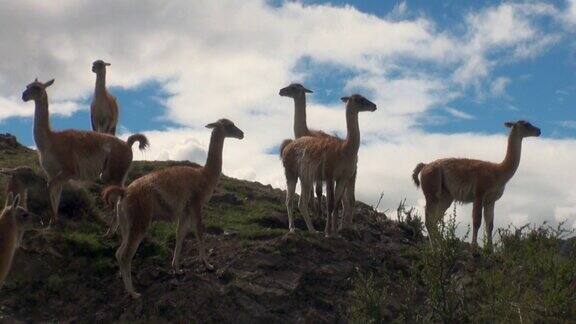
(178, 192)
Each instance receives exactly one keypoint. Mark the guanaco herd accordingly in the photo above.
(313, 157)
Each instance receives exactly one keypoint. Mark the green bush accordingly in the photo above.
(529, 277)
(368, 300)
(409, 220)
(439, 273)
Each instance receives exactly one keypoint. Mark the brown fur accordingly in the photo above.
(14, 220)
(470, 181)
(76, 155)
(112, 194)
(104, 108)
(175, 193)
(298, 92)
(330, 159)
(18, 183)
(415, 173)
(141, 139)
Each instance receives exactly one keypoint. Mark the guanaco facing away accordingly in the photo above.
(14, 220)
(104, 108)
(470, 181)
(178, 192)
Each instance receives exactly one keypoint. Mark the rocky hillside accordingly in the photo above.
(263, 274)
(381, 271)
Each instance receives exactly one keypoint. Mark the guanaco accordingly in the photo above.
(470, 181)
(14, 220)
(178, 192)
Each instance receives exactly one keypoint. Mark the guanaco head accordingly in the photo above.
(35, 90)
(227, 128)
(523, 128)
(294, 90)
(99, 65)
(358, 103)
(12, 208)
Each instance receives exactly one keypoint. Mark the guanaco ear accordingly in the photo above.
(212, 125)
(47, 84)
(9, 199)
(345, 99)
(16, 201)
(509, 124)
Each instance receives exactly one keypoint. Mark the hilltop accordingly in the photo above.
(262, 274)
(382, 270)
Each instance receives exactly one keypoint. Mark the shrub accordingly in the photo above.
(410, 221)
(368, 300)
(529, 277)
(439, 272)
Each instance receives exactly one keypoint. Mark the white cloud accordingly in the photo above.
(458, 113)
(400, 100)
(399, 11)
(565, 214)
(498, 87)
(568, 124)
(532, 195)
(14, 107)
(509, 31)
(229, 58)
(569, 16)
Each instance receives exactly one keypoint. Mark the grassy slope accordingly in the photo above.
(71, 270)
(383, 271)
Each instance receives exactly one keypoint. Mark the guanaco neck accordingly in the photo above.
(100, 88)
(352, 142)
(213, 166)
(42, 129)
(300, 126)
(512, 159)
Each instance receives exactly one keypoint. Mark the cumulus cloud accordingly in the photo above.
(569, 15)
(14, 107)
(498, 87)
(229, 58)
(386, 167)
(510, 31)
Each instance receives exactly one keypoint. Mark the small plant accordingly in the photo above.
(410, 220)
(54, 284)
(368, 300)
(439, 273)
(86, 244)
(531, 276)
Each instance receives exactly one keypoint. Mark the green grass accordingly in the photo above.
(163, 233)
(526, 279)
(245, 220)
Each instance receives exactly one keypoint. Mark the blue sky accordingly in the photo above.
(445, 75)
(541, 89)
